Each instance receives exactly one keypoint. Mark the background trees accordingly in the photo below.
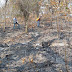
(26, 7)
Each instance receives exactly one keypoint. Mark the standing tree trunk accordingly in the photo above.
(5, 13)
(37, 9)
(5, 17)
(25, 25)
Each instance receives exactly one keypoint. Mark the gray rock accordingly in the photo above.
(45, 44)
(1, 45)
(4, 45)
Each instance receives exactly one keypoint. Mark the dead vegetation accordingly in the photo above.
(44, 49)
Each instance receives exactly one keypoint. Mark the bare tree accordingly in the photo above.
(26, 7)
(5, 13)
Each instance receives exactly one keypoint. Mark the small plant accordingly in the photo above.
(23, 60)
(67, 8)
(31, 60)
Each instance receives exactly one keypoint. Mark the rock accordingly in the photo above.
(9, 57)
(45, 44)
(4, 45)
(62, 36)
(1, 45)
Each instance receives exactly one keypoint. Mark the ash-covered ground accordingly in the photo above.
(42, 49)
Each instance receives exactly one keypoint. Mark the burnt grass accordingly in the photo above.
(41, 48)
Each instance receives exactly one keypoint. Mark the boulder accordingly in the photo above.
(45, 44)
(4, 45)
